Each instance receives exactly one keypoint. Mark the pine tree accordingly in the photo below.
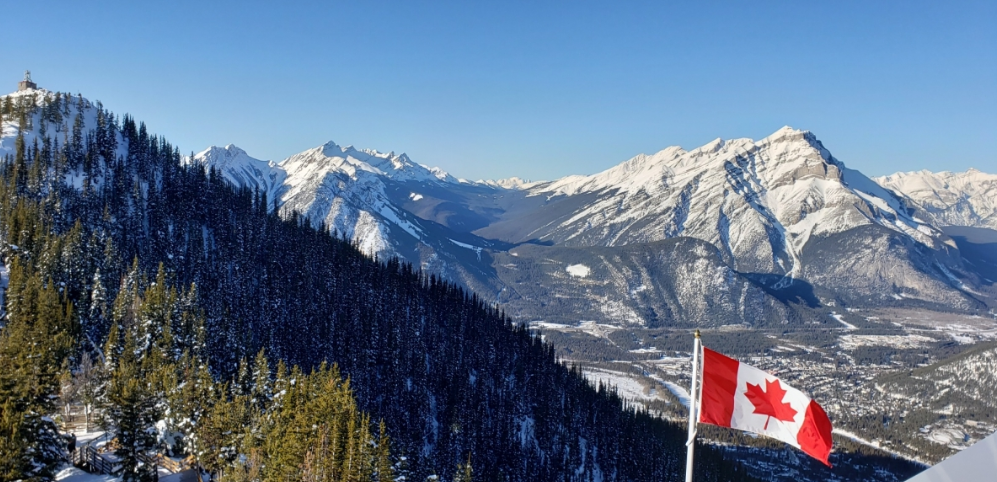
(13, 440)
(131, 412)
(384, 470)
(33, 346)
(218, 431)
(464, 471)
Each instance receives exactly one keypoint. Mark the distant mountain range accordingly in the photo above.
(736, 231)
(948, 198)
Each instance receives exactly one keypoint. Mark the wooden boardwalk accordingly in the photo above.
(93, 455)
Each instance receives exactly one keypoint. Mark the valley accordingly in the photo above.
(908, 383)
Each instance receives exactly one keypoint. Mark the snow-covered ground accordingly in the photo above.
(626, 386)
(841, 320)
(73, 474)
(578, 270)
(681, 393)
(853, 436)
(592, 328)
(897, 341)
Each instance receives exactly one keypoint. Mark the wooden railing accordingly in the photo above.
(87, 458)
(147, 460)
(173, 466)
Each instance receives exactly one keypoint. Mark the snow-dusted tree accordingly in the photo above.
(33, 344)
(131, 415)
(89, 382)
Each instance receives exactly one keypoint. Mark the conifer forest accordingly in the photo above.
(194, 322)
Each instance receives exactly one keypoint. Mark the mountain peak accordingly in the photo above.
(709, 148)
(222, 155)
(949, 198)
(787, 130)
(789, 134)
(230, 150)
(512, 183)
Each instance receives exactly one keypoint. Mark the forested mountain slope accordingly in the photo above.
(92, 197)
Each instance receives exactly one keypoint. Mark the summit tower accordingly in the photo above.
(26, 84)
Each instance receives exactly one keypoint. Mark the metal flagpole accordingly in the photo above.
(693, 409)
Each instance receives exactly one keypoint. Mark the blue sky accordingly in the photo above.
(532, 89)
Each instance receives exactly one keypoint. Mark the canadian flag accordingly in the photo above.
(741, 396)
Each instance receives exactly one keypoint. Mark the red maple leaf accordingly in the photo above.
(769, 402)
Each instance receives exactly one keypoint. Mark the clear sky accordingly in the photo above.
(538, 89)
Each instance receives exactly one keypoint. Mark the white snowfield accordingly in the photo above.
(513, 183)
(578, 270)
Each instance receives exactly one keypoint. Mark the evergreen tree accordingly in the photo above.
(13, 440)
(384, 470)
(131, 415)
(34, 343)
(464, 471)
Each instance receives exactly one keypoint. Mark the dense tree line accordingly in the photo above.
(96, 205)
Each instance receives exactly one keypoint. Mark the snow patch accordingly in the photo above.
(681, 393)
(476, 249)
(73, 474)
(625, 385)
(848, 326)
(578, 270)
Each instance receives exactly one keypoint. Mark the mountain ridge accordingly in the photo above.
(765, 205)
(949, 198)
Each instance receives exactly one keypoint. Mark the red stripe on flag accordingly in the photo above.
(814, 436)
(719, 384)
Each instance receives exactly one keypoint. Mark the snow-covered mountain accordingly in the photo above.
(782, 213)
(759, 202)
(58, 119)
(345, 188)
(242, 170)
(948, 198)
(779, 206)
(342, 187)
(359, 194)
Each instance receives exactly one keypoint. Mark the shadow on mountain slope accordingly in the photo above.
(797, 291)
(978, 247)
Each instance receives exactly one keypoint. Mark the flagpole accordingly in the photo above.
(693, 399)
